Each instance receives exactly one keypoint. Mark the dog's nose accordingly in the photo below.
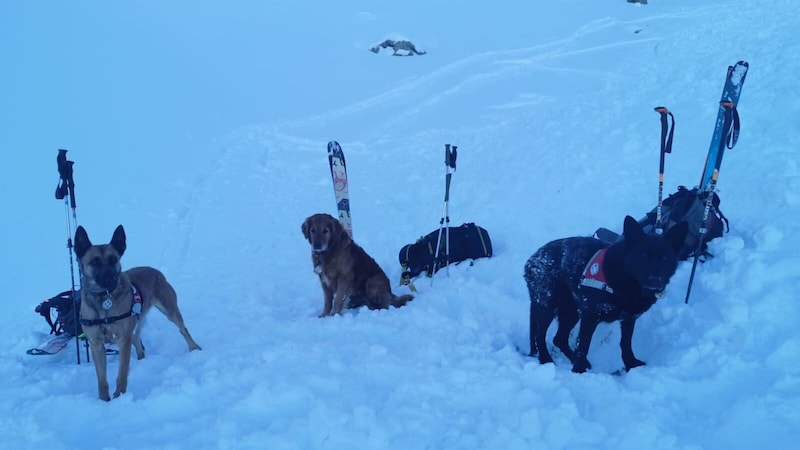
(656, 283)
(108, 281)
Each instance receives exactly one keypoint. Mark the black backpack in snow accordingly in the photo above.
(66, 310)
(468, 241)
(689, 205)
(684, 205)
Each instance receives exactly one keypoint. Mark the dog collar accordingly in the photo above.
(136, 309)
(593, 274)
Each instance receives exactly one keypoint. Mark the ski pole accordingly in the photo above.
(730, 118)
(444, 222)
(699, 249)
(65, 190)
(667, 131)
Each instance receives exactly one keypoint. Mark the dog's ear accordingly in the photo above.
(305, 226)
(118, 240)
(632, 231)
(676, 236)
(82, 242)
(340, 234)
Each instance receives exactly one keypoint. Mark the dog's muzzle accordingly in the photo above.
(655, 283)
(107, 280)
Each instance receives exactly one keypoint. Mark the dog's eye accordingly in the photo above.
(326, 230)
(112, 260)
(95, 262)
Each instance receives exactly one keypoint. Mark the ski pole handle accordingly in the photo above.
(667, 132)
(450, 156)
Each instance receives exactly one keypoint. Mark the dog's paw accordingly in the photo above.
(633, 364)
(581, 365)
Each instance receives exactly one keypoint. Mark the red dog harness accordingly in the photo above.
(593, 274)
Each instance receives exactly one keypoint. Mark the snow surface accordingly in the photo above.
(202, 127)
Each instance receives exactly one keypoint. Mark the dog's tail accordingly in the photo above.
(401, 300)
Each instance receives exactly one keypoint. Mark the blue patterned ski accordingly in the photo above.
(339, 177)
(726, 130)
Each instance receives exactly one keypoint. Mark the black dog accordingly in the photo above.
(582, 278)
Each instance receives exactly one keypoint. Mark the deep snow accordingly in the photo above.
(202, 128)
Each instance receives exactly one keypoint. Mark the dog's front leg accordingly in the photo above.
(625, 343)
(124, 365)
(97, 344)
(585, 333)
(341, 295)
(328, 293)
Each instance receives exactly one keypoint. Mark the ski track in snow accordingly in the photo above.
(459, 76)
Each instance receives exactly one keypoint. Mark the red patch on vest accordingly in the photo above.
(136, 308)
(593, 274)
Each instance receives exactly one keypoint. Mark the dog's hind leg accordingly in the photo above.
(625, 343)
(136, 339)
(166, 300)
(176, 318)
(586, 330)
(567, 313)
(540, 320)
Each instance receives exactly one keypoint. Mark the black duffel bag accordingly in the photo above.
(468, 241)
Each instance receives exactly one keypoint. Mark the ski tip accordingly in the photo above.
(334, 148)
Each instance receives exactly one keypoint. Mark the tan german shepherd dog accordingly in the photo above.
(114, 304)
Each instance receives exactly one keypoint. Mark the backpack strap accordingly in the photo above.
(724, 220)
(43, 309)
(483, 241)
(733, 132)
(58, 302)
(715, 204)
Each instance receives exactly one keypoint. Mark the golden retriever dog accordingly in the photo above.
(349, 276)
